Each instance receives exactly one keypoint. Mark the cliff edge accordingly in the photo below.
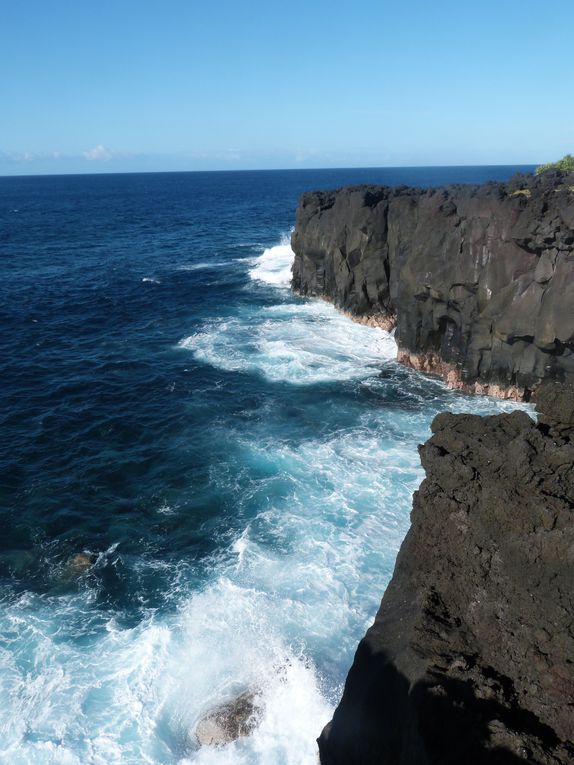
(471, 655)
(478, 280)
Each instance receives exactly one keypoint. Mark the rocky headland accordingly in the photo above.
(470, 660)
(477, 280)
(471, 656)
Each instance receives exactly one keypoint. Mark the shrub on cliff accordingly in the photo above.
(566, 163)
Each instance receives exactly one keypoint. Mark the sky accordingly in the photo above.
(153, 85)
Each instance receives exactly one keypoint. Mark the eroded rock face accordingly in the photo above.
(471, 656)
(479, 280)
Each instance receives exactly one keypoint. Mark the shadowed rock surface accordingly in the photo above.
(477, 279)
(471, 656)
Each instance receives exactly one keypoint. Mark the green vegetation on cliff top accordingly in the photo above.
(566, 163)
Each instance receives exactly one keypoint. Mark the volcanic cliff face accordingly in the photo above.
(477, 279)
(471, 656)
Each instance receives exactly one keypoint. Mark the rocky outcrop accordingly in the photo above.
(471, 656)
(229, 721)
(479, 280)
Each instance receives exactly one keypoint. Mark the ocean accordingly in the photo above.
(204, 479)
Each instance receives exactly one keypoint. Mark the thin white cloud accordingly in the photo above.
(98, 154)
(18, 156)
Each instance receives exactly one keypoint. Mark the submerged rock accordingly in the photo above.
(79, 563)
(477, 279)
(470, 660)
(229, 721)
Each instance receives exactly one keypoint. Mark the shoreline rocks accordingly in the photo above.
(471, 655)
(477, 279)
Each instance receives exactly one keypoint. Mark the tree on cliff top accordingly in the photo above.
(566, 163)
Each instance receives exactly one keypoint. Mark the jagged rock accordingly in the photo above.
(478, 279)
(230, 721)
(471, 655)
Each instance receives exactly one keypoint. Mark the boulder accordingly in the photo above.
(78, 564)
(229, 721)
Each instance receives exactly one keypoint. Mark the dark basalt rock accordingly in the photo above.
(471, 656)
(478, 279)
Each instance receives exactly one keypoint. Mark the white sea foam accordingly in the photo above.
(273, 266)
(291, 594)
(150, 280)
(302, 583)
(231, 642)
(301, 343)
(205, 265)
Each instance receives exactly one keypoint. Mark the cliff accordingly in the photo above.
(478, 280)
(471, 656)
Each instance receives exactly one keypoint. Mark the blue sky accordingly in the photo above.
(126, 85)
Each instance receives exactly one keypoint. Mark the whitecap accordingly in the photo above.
(301, 343)
(273, 266)
(204, 265)
(231, 640)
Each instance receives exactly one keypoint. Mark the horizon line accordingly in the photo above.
(261, 170)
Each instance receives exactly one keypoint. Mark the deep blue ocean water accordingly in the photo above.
(237, 462)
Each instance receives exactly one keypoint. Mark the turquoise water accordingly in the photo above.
(236, 462)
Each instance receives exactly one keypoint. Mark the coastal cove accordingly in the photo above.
(205, 478)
